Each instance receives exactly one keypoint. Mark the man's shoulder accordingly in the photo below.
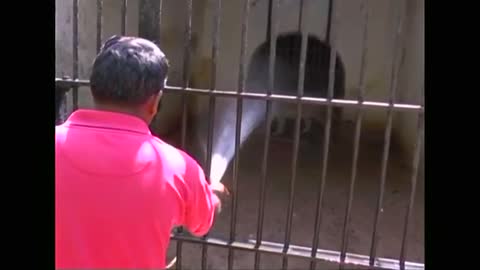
(60, 131)
(172, 154)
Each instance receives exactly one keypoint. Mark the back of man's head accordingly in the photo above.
(128, 71)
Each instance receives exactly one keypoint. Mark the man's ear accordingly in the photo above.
(154, 103)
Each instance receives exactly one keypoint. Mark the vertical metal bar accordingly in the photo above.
(388, 131)
(272, 39)
(75, 53)
(300, 16)
(356, 139)
(415, 165)
(329, 20)
(186, 70)
(296, 143)
(269, 20)
(331, 35)
(178, 264)
(213, 82)
(124, 17)
(211, 105)
(99, 24)
(159, 16)
(238, 122)
(186, 77)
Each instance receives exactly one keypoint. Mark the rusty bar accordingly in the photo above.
(75, 53)
(388, 130)
(296, 142)
(124, 17)
(272, 38)
(238, 122)
(213, 82)
(415, 165)
(356, 139)
(343, 103)
(331, 34)
(99, 24)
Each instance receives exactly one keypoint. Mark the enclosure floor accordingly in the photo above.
(309, 170)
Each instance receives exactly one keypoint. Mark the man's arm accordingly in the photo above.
(200, 202)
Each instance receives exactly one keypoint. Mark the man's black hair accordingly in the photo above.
(128, 70)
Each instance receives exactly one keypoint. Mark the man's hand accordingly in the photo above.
(221, 192)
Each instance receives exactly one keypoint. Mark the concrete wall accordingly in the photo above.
(87, 12)
(349, 33)
(379, 59)
(172, 32)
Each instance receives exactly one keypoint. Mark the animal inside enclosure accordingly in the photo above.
(314, 122)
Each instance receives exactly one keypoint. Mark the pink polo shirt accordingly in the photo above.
(119, 191)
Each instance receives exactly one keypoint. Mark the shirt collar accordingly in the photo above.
(109, 120)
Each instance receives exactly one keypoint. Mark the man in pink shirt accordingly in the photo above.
(119, 190)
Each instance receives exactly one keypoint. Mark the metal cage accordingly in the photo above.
(312, 254)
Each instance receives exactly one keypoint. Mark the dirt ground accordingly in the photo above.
(308, 180)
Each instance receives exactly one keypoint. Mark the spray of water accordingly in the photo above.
(253, 115)
(223, 148)
(286, 80)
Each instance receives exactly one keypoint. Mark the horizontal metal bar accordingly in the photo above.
(282, 98)
(300, 252)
